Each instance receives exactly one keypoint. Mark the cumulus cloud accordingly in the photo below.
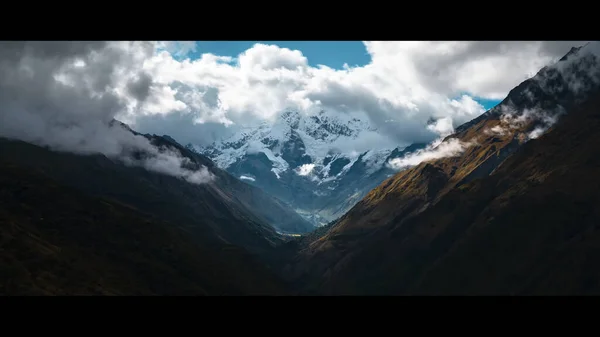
(405, 85)
(65, 95)
(442, 126)
(483, 68)
(437, 150)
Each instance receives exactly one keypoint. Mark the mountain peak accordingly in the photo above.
(291, 118)
(308, 159)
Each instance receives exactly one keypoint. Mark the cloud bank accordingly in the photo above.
(403, 88)
(65, 95)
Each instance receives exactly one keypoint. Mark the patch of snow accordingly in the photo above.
(349, 165)
(279, 164)
(243, 177)
(228, 156)
(375, 159)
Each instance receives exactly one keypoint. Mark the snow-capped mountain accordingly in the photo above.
(321, 164)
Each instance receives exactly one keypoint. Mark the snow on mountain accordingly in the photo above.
(319, 138)
(306, 160)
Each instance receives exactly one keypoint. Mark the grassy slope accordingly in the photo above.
(529, 228)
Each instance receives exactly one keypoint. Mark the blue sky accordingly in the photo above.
(330, 53)
(487, 103)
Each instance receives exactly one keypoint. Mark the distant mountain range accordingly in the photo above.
(308, 161)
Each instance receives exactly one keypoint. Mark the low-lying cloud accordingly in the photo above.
(512, 119)
(450, 148)
(305, 169)
(570, 80)
(65, 95)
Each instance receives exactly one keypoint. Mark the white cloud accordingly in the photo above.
(442, 126)
(171, 163)
(496, 130)
(450, 148)
(536, 132)
(243, 177)
(407, 82)
(305, 169)
(511, 120)
(263, 57)
(58, 93)
(483, 68)
(65, 94)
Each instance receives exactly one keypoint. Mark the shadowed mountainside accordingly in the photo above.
(149, 233)
(226, 209)
(56, 240)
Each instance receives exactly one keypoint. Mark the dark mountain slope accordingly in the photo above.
(529, 228)
(225, 210)
(203, 210)
(55, 240)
